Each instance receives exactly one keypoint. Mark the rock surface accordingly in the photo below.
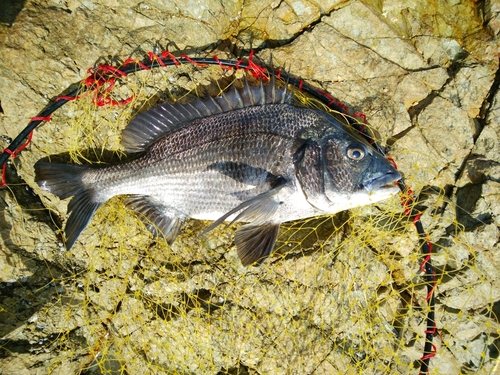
(345, 301)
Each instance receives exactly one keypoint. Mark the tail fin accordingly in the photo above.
(66, 181)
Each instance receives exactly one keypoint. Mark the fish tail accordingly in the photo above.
(67, 181)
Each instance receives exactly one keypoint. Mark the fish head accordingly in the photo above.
(338, 170)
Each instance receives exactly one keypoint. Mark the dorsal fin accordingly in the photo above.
(149, 126)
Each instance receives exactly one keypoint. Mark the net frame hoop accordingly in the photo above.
(105, 76)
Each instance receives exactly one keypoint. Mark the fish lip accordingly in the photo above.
(383, 182)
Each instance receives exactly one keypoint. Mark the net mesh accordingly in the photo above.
(340, 294)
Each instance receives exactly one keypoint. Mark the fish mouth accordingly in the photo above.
(383, 182)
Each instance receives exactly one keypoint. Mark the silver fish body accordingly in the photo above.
(248, 155)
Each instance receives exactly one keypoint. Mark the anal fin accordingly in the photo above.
(158, 218)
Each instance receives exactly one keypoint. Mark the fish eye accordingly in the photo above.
(355, 153)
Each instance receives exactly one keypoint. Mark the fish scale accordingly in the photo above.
(248, 155)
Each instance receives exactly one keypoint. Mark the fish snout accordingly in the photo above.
(383, 182)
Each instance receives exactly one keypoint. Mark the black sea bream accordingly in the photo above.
(248, 155)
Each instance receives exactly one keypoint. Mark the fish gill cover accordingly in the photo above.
(341, 294)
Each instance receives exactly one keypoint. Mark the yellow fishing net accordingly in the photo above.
(340, 295)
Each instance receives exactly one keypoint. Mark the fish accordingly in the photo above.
(249, 155)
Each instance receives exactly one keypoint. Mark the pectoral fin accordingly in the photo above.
(258, 209)
(158, 218)
(245, 173)
(254, 243)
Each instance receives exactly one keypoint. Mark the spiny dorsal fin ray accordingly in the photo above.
(149, 126)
